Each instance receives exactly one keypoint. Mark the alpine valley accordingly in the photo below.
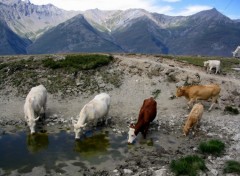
(26, 28)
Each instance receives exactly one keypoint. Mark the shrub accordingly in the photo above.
(231, 110)
(155, 93)
(232, 167)
(214, 147)
(79, 62)
(188, 165)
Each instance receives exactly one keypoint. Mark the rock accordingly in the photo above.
(161, 172)
(211, 169)
(127, 171)
(236, 137)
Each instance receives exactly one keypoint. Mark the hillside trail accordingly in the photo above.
(169, 63)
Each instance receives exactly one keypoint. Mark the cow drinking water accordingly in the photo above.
(147, 114)
(96, 109)
(35, 102)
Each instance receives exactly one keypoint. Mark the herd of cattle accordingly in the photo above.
(98, 108)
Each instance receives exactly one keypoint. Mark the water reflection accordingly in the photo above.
(37, 142)
(92, 146)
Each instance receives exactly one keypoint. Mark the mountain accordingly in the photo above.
(53, 30)
(29, 20)
(136, 30)
(205, 33)
(74, 35)
(10, 42)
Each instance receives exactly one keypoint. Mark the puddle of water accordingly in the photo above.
(23, 151)
(101, 149)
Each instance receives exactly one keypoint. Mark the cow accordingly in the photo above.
(199, 92)
(35, 103)
(93, 111)
(193, 118)
(210, 64)
(147, 114)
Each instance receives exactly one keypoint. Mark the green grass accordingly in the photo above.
(231, 110)
(232, 167)
(78, 62)
(214, 147)
(155, 93)
(188, 165)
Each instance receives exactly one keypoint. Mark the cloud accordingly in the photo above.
(150, 5)
(172, 0)
(190, 10)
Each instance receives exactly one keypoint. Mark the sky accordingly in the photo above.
(230, 8)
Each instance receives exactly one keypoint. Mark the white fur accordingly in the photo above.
(35, 101)
(210, 64)
(131, 135)
(96, 109)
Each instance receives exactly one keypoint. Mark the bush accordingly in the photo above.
(188, 165)
(79, 62)
(155, 93)
(214, 147)
(232, 167)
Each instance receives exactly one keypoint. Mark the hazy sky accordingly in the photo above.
(230, 8)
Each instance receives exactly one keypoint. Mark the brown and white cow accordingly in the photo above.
(146, 115)
(199, 92)
(193, 118)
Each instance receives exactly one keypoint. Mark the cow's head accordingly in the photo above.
(205, 63)
(179, 92)
(131, 134)
(32, 124)
(77, 129)
(185, 130)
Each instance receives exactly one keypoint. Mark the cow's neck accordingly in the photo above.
(138, 127)
(82, 117)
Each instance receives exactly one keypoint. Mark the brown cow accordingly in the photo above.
(146, 115)
(199, 92)
(194, 118)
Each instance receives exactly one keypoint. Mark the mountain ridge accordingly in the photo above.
(53, 30)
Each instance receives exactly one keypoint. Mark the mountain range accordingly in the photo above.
(31, 29)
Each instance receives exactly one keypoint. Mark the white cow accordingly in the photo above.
(210, 64)
(35, 101)
(93, 111)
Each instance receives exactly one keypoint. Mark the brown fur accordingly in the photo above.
(146, 115)
(194, 118)
(199, 92)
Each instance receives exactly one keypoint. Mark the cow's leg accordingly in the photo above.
(214, 101)
(145, 131)
(190, 103)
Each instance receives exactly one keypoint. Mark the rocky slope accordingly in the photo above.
(139, 77)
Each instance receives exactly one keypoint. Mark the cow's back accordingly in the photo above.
(99, 106)
(149, 110)
(37, 97)
(204, 91)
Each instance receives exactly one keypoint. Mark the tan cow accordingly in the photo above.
(194, 118)
(199, 92)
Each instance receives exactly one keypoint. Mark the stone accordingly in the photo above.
(160, 172)
(127, 171)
